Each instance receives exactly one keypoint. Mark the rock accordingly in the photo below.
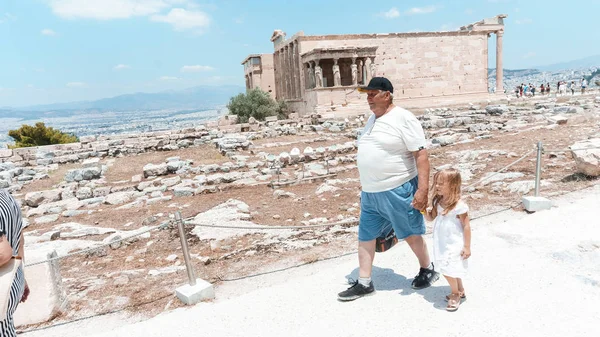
(174, 166)
(171, 257)
(102, 191)
(34, 199)
(171, 181)
(444, 140)
(47, 219)
(122, 280)
(120, 198)
(326, 188)
(501, 177)
(115, 241)
(155, 170)
(308, 151)
(280, 194)
(496, 109)
(92, 162)
(180, 191)
(89, 173)
(84, 193)
(137, 178)
(558, 119)
(587, 156)
(295, 154)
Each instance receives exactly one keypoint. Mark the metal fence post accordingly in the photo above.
(185, 249)
(538, 169)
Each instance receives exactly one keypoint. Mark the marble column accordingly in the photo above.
(277, 72)
(499, 70)
(295, 70)
(297, 73)
(367, 70)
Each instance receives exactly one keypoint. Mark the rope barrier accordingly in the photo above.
(502, 169)
(164, 224)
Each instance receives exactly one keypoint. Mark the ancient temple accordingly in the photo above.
(321, 73)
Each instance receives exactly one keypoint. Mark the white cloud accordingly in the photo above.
(168, 78)
(48, 32)
(392, 13)
(469, 11)
(121, 67)
(182, 19)
(76, 84)
(195, 69)
(529, 55)
(106, 9)
(523, 21)
(421, 10)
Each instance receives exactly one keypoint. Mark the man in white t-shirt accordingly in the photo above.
(393, 165)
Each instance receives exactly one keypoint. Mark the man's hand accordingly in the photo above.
(25, 293)
(420, 200)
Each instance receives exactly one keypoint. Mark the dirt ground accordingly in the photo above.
(243, 256)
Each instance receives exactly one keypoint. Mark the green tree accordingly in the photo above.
(255, 103)
(38, 135)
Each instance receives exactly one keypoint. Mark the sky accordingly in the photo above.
(55, 51)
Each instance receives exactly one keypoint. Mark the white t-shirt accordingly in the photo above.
(385, 160)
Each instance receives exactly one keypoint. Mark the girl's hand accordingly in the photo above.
(465, 253)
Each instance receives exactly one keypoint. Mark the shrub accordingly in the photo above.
(256, 103)
(38, 135)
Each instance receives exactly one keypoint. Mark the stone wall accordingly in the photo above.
(421, 64)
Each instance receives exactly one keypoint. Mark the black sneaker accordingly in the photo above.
(357, 290)
(425, 278)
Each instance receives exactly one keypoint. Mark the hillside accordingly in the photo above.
(200, 97)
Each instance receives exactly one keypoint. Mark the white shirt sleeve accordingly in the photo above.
(412, 133)
(461, 208)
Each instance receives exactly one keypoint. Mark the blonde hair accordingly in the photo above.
(453, 178)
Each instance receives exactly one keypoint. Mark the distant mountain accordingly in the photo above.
(592, 61)
(513, 72)
(200, 97)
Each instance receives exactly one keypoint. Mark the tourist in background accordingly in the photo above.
(393, 166)
(12, 244)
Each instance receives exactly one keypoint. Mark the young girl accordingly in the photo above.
(451, 233)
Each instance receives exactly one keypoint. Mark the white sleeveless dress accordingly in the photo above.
(448, 242)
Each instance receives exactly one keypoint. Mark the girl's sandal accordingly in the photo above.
(453, 302)
(463, 297)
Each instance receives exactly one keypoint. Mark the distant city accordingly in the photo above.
(514, 78)
(107, 122)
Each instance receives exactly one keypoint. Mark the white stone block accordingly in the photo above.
(534, 204)
(48, 298)
(191, 295)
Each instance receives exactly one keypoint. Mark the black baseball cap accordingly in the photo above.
(378, 83)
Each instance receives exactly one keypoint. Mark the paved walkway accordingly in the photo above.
(531, 275)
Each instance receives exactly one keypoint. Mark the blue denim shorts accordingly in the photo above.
(382, 211)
